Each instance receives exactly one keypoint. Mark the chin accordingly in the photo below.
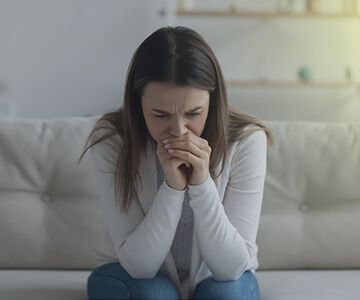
(157, 140)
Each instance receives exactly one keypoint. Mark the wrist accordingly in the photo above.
(199, 181)
(175, 186)
(200, 191)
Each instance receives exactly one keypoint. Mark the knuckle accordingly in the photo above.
(160, 153)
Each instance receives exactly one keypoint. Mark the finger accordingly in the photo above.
(164, 157)
(199, 142)
(190, 138)
(197, 146)
(161, 151)
(186, 146)
(185, 156)
(178, 162)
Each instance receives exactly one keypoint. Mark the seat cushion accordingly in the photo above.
(43, 284)
(309, 285)
(279, 285)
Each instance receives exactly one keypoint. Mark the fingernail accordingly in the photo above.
(165, 141)
(170, 151)
(167, 146)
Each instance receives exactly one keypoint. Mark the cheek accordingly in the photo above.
(197, 127)
(155, 129)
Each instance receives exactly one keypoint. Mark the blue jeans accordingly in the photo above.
(111, 281)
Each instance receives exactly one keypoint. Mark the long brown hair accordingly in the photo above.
(177, 55)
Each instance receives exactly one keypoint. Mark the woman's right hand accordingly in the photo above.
(175, 169)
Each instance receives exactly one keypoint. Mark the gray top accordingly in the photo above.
(181, 246)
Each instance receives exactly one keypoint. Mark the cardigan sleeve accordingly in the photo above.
(227, 231)
(141, 242)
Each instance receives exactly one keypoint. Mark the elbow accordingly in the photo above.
(136, 269)
(230, 276)
(233, 271)
(138, 272)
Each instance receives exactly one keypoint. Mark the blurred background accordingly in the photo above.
(282, 59)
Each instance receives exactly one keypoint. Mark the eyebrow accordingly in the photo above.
(166, 113)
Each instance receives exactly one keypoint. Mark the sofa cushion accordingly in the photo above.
(274, 285)
(311, 207)
(309, 285)
(50, 216)
(43, 284)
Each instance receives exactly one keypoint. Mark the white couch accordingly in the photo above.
(50, 218)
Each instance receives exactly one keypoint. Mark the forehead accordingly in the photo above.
(162, 95)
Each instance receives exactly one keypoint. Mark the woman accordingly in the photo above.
(180, 177)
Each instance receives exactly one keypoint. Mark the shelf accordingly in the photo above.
(266, 15)
(289, 84)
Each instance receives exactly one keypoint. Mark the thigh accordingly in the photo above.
(111, 281)
(245, 288)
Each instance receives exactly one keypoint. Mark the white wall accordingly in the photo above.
(69, 58)
(328, 46)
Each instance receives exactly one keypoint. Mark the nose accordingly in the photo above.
(178, 127)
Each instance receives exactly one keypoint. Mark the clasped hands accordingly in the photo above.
(185, 160)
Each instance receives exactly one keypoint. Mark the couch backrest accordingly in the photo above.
(50, 215)
(311, 208)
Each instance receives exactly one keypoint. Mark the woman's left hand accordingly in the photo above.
(194, 150)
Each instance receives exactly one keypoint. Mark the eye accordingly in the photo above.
(193, 114)
(160, 116)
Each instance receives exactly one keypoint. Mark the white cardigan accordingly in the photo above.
(226, 216)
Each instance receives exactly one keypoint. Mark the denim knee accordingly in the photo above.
(105, 283)
(245, 288)
(157, 288)
(111, 281)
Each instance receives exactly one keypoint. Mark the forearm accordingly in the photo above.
(145, 249)
(221, 246)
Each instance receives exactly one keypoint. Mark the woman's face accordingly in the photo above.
(172, 111)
